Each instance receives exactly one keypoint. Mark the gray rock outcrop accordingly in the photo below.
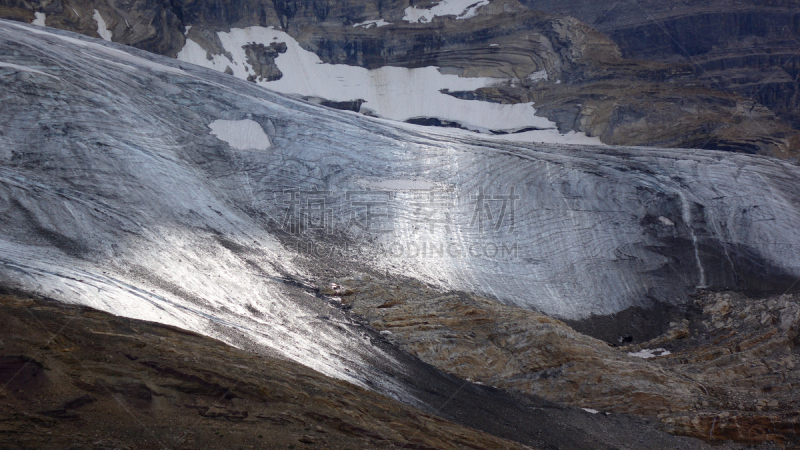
(746, 48)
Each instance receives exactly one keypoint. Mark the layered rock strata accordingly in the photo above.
(724, 371)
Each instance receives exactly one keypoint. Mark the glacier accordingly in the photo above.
(156, 189)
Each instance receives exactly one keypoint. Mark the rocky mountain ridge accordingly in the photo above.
(131, 384)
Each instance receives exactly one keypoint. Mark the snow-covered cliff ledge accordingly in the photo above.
(396, 93)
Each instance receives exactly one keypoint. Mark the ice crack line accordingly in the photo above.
(687, 219)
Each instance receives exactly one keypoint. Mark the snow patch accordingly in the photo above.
(39, 19)
(537, 76)
(649, 353)
(666, 221)
(102, 30)
(590, 410)
(373, 23)
(462, 9)
(241, 134)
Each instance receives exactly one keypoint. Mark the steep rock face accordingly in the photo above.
(501, 45)
(154, 26)
(262, 58)
(587, 91)
(746, 48)
(750, 52)
(647, 113)
(159, 26)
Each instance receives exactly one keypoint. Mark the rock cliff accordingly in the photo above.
(746, 48)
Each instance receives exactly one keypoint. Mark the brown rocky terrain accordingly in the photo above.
(744, 352)
(748, 48)
(73, 377)
(667, 102)
(725, 371)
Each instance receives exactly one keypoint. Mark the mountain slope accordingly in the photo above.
(76, 377)
(154, 189)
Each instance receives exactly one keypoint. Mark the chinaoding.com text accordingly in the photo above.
(500, 251)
